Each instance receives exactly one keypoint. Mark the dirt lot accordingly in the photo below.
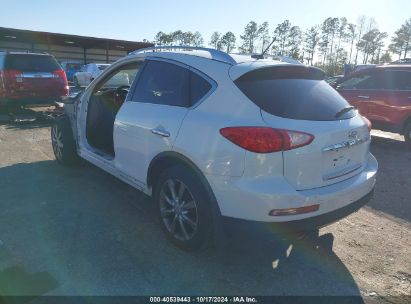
(66, 231)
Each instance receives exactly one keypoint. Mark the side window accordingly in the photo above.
(123, 76)
(163, 83)
(199, 87)
(361, 82)
(397, 80)
(1, 62)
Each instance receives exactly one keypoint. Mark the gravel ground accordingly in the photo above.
(79, 231)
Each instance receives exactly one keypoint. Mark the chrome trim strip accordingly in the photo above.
(345, 144)
(36, 75)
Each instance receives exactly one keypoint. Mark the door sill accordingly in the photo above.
(100, 153)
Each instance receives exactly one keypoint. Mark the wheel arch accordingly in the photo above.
(168, 159)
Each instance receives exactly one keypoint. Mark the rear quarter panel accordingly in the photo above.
(200, 140)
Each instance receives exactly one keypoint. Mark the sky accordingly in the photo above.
(137, 20)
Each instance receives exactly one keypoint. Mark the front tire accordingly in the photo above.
(62, 141)
(184, 208)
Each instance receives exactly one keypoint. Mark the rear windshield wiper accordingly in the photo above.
(344, 110)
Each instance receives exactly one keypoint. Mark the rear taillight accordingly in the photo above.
(62, 75)
(369, 124)
(266, 140)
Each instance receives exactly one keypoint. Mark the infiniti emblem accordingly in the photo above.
(353, 135)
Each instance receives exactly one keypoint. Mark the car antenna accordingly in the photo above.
(261, 56)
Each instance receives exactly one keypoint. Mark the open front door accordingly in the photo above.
(148, 122)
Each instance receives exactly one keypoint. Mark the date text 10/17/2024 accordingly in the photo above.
(203, 299)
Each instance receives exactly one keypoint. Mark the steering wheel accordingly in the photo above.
(120, 94)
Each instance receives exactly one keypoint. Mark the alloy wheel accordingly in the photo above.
(178, 210)
(57, 142)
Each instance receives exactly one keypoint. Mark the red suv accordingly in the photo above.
(383, 95)
(30, 78)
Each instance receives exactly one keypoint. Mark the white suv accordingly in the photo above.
(208, 134)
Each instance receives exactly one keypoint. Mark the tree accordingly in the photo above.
(351, 34)
(371, 26)
(329, 30)
(249, 37)
(370, 43)
(406, 36)
(386, 57)
(264, 35)
(198, 39)
(177, 37)
(293, 42)
(342, 36)
(187, 38)
(401, 41)
(228, 41)
(311, 39)
(281, 33)
(215, 41)
(287, 40)
(361, 23)
(397, 44)
(163, 39)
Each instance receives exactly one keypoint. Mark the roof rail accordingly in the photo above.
(215, 54)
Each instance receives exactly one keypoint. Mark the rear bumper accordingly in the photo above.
(298, 227)
(324, 219)
(252, 199)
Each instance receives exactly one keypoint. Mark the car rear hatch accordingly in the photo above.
(296, 98)
(32, 75)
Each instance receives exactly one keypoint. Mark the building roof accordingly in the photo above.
(26, 36)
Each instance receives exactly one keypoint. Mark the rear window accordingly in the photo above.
(31, 63)
(293, 92)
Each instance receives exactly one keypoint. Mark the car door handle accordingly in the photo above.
(363, 97)
(160, 132)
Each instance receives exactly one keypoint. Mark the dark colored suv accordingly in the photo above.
(30, 78)
(383, 95)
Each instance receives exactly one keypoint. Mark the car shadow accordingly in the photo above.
(15, 281)
(391, 195)
(99, 236)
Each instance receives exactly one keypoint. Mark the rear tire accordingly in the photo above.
(184, 208)
(62, 141)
